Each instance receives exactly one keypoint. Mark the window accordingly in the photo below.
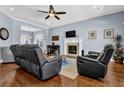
(39, 39)
(27, 33)
(26, 39)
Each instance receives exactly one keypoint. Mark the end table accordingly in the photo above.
(1, 64)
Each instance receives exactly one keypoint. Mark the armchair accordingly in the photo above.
(94, 54)
(95, 68)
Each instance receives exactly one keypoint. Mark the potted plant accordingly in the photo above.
(118, 52)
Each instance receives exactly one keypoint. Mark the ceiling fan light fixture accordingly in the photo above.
(51, 14)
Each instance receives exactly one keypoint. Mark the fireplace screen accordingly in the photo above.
(72, 49)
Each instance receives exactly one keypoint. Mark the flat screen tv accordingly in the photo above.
(70, 34)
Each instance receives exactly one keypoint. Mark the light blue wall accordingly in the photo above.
(6, 22)
(13, 27)
(95, 24)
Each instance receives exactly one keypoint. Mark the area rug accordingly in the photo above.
(69, 69)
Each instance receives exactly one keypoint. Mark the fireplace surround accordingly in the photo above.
(75, 42)
(72, 49)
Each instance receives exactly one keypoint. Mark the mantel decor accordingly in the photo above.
(4, 34)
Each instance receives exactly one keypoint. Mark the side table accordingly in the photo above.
(1, 65)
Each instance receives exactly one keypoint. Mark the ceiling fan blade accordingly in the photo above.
(57, 17)
(51, 7)
(42, 11)
(47, 17)
(60, 13)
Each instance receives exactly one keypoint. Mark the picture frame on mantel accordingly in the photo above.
(55, 38)
(108, 33)
(92, 34)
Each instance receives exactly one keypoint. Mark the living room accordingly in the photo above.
(73, 34)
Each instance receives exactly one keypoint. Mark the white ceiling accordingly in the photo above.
(74, 13)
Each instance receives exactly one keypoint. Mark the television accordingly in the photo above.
(71, 34)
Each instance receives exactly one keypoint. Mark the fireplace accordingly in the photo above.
(72, 49)
(76, 41)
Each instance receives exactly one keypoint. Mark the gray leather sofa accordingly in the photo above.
(95, 67)
(31, 58)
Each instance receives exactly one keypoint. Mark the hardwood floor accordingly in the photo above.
(11, 75)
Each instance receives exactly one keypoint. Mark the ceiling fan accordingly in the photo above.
(52, 13)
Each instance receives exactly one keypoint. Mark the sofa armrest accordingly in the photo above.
(54, 58)
(83, 58)
(94, 56)
(93, 52)
(52, 67)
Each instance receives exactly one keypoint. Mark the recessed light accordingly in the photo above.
(123, 23)
(11, 8)
(94, 7)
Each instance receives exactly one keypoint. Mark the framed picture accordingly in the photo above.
(55, 38)
(109, 33)
(92, 35)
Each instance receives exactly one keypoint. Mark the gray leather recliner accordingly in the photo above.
(94, 54)
(95, 68)
(31, 58)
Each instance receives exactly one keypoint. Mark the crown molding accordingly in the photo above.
(25, 21)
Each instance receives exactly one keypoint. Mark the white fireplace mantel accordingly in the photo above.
(72, 40)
